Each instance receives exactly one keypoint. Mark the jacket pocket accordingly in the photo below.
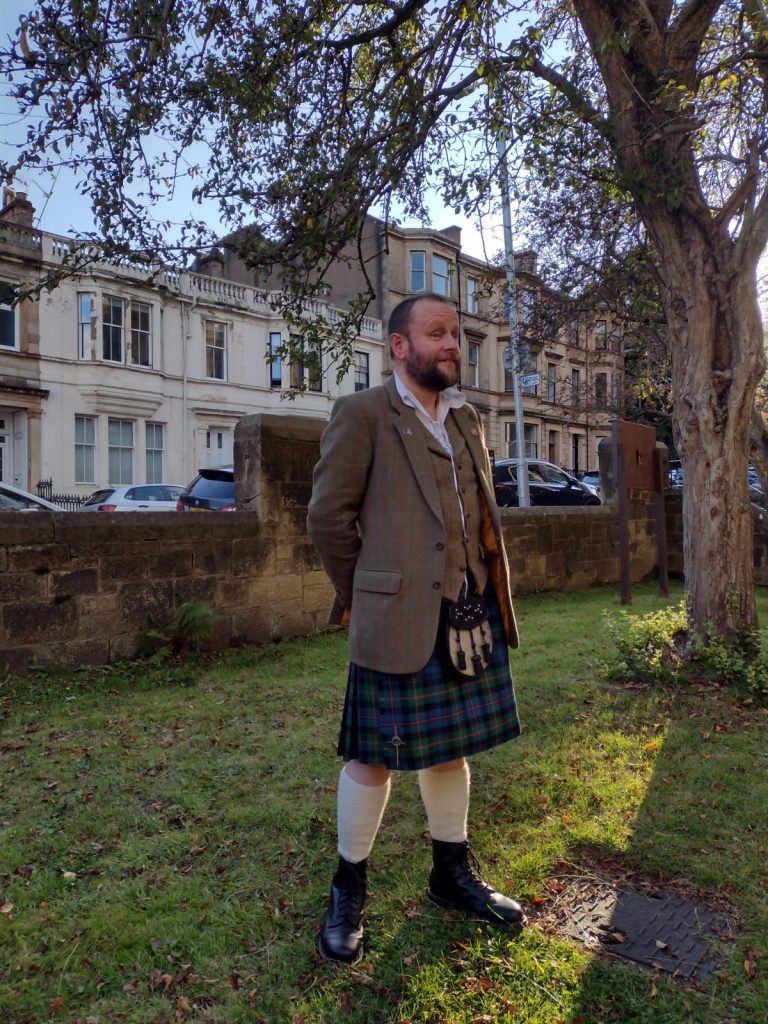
(378, 581)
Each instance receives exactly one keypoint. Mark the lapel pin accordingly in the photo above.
(408, 431)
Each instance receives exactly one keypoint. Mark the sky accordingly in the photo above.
(61, 209)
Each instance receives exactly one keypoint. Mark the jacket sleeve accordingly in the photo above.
(338, 491)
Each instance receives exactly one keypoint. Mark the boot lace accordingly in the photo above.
(470, 870)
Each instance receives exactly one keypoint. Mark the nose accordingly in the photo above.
(451, 342)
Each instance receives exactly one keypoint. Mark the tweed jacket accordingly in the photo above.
(376, 521)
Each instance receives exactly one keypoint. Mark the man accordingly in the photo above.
(403, 517)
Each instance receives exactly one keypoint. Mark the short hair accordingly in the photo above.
(400, 317)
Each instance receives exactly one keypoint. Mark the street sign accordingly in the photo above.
(530, 380)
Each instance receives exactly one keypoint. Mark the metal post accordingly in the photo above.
(620, 478)
(512, 351)
(661, 522)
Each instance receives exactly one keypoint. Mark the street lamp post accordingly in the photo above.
(512, 361)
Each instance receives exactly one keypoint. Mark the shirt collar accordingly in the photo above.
(451, 398)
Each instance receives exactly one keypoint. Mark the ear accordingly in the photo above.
(398, 344)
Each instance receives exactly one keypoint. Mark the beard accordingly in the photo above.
(436, 373)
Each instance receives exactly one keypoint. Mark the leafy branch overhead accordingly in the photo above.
(633, 123)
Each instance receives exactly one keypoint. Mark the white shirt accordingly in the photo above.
(449, 399)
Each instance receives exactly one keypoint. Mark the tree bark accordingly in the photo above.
(716, 340)
(709, 281)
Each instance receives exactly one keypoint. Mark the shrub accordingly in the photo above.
(658, 648)
(190, 627)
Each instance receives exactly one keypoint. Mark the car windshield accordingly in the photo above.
(148, 492)
(538, 472)
(205, 487)
(98, 497)
(14, 502)
(547, 474)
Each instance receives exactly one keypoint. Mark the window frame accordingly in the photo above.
(362, 370)
(84, 326)
(153, 454)
(275, 359)
(413, 270)
(527, 306)
(601, 336)
(116, 330)
(552, 382)
(12, 309)
(119, 449)
(215, 352)
(441, 289)
(601, 391)
(473, 365)
(307, 369)
(85, 447)
(473, 298)
(139, 334)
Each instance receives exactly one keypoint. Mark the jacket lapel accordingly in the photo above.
(413, 439)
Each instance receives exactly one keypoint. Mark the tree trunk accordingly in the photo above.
(716, 340)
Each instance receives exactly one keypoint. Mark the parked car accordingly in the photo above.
(756, 495)
(134, 498)
(13, 499)
(547, 485)
(212, 490)
(591, 479)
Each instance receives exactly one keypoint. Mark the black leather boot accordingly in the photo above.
(455, 883)
(341, 935)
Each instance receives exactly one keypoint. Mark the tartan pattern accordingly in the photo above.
(417, 720)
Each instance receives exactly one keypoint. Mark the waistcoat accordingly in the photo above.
(457, 560)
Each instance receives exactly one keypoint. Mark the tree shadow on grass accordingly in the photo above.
(692, 824)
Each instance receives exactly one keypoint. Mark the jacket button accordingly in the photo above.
(436, 586)
(439, 546)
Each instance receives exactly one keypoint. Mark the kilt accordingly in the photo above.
(414, 721)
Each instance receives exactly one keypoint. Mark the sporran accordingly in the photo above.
(468, 635)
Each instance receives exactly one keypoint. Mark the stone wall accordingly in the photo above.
(81, 588)
(674, 521)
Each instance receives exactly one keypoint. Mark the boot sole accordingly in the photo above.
(324, 955)
(491, 917)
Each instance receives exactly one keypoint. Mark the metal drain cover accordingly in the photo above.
(666, 933)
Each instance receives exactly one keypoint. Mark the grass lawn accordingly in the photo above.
(167, 837)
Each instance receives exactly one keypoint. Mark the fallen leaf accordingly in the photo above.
(750, 963)
(69, 876)
(183, 1004)
(652, 745)
(345, 1002)
(6, 908)
(55, 1004)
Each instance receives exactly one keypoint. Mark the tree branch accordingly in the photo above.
(689, 28)
(383, 30)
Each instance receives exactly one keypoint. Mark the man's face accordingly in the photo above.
(430, 349)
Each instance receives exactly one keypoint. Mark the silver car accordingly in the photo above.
(13, 499)
(134, 498)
